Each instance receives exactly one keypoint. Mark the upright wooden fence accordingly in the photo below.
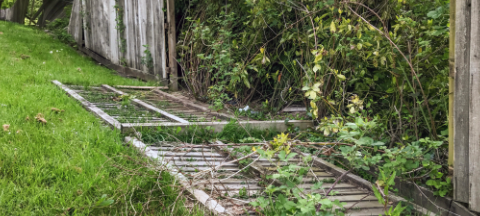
(467, 104)
(129, 33)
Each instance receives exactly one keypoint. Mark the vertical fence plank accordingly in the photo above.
(474, 116)
(75, 25)
(159, 39)
(461, 111)
(149, 29)
(142, 33)
(139, 49)
(113, 33)
(172, 43)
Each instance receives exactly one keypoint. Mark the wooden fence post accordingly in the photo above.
(474, 116)
(451, 85)
(461, 179)
(172, 43)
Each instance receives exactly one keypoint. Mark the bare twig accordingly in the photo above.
(387, 36)
(331, 188)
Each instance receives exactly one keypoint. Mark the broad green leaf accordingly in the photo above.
(341, 77)
(378, 195)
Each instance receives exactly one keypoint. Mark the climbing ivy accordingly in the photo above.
(120, 27)
(147, 59)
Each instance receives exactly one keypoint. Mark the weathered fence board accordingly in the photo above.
(474, 115)
(76, 23)
(122, 31)
(462, 98)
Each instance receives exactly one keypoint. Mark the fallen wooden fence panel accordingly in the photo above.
(89, 106)
(128, 124)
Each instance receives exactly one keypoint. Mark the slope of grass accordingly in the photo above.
(73, 164)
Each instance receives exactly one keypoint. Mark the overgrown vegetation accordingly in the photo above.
(55, 162)
(374, 74)
(388, 57)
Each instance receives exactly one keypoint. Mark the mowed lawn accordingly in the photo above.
(73, 164)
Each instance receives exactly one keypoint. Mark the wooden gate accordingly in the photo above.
(128, 33)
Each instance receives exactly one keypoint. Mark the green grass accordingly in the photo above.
(65, 166)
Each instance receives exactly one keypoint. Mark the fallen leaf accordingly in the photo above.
(24, 56)
(6, 127)
(78, 169)
(57, 110)
(40, 118)
(18, 131)
(1, 33)
(27, 118)
(79, 69)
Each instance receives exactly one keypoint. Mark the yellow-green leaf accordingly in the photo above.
(333, 29)
(312, 95)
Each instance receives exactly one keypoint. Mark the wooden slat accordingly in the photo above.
(141, 87)
(160, 62)
(141, 19)
(462, 100)
(89, 106)
(113, 32)
(86, 23)
(148, 106)
(129, 20)
(218, 126)
(474, 112)
(172, 43)
(76, 24)
(189, 154)
(203, 163)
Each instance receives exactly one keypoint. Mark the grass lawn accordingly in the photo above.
(73, 164)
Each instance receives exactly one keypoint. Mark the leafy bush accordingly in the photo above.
(59, 27)
(334, 56)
